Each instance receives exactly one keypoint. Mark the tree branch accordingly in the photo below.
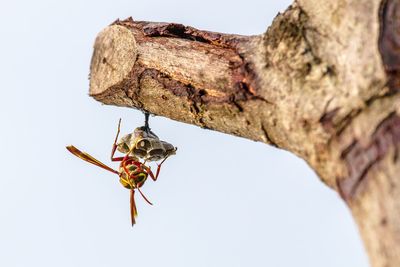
(322, 82)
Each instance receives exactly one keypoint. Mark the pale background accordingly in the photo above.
(221, 201)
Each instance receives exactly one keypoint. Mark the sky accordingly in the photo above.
(221, 201)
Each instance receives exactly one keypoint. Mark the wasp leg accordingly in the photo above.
(137, 186)
(151, 174)
(123, 164)
(144, 197)
(114, 148)
(159, 167)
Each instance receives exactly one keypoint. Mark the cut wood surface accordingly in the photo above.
(322, 82)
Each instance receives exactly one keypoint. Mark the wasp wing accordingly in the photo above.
(86, 157)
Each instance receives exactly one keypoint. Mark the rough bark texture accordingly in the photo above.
(322, 82)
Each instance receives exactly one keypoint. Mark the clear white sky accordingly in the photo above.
(221, 201)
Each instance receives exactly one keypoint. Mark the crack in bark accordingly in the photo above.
(239, 107)
(177, 30)
(389, 41)
(361, 158)
(267, 137)
(327, 119)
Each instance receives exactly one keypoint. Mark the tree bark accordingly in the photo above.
(321, 82)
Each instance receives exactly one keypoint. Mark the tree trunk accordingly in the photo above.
(322, 82)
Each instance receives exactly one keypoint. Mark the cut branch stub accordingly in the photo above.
(181, 68)
(113, 58)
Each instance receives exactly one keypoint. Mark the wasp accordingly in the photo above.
(132, 172)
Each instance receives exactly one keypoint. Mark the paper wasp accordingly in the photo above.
(132, 172)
